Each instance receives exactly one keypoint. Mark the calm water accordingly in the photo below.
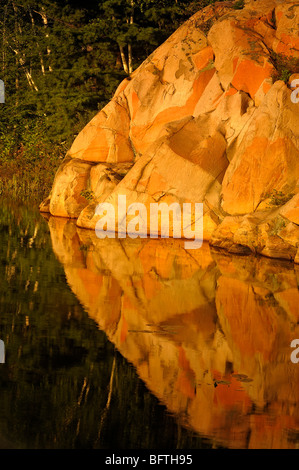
(123, 344)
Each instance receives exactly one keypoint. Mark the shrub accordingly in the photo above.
(278, 225)
(89, 195)
(239, 5)
(278, 198)
(285, 66)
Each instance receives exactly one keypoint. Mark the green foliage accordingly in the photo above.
(278, 198)
(87, 194)
(284, 65)
(28, 162)
(205, 27)
(86, 248)
(61, 61)
(239, 5)
(279, 224)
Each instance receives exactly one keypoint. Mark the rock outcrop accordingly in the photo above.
(209, 117)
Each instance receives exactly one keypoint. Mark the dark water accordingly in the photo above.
(141, 344)
(56, 380)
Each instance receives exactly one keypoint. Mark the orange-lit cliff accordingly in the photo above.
(209, 117)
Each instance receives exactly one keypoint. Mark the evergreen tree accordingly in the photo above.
(61, 60)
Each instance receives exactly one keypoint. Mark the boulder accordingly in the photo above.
(70, 181)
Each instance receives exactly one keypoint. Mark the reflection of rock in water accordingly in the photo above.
(208, 333)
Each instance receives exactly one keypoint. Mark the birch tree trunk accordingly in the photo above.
(21, 58)
(21, 61)
(123, 59)
(130, 57)
(4, 41)
(37, 44)
(45, 21)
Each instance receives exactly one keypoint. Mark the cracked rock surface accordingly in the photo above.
(206, 118)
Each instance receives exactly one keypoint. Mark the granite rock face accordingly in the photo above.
(208, 117)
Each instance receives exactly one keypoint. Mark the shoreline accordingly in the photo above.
(234, 250)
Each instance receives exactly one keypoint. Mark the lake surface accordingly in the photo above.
(122, 344)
